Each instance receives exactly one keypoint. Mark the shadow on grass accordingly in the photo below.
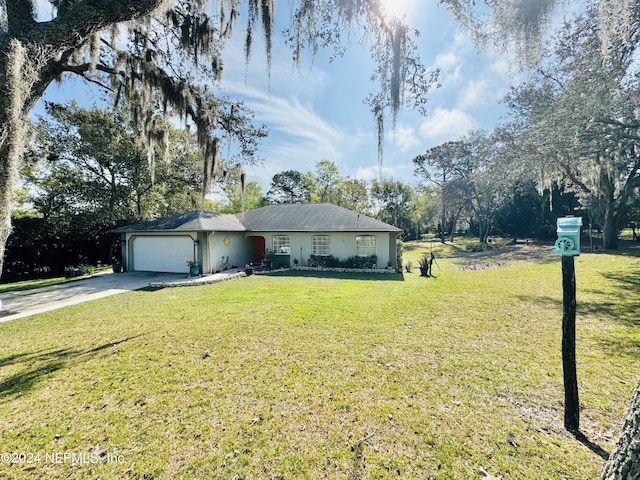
(626, 248)
(594, 447)
(42, 363)
(149, 289)
(623, 303)
(18, 358)
(389, 277)
(358, 458)
(617, 308)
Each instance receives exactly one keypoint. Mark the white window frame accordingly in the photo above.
(366, 245)
(281, 244)
(321, 245)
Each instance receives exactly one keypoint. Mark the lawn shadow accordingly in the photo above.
(358, 458)
(149, 289)
(594, 447)
(18, 357)
(444, 250)
(39, 364)
(389, 277)
(620, 305)
(626, 248)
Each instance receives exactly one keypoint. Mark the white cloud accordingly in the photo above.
(372, 172)
(404, 137)
(298, 135)
(443, 125)
(501, 67)
(478, 92)
(450, 67)
(488, 87)
(451, 61)
(287, 101)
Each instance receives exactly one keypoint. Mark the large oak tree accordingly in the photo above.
(166, 56)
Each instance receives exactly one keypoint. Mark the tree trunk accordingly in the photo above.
(610, 228)
(443, 224)
(624, 461)
(29, 62)
(483, 230)
(16, 81)
(7, 184)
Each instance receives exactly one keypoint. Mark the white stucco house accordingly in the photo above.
(291, 231)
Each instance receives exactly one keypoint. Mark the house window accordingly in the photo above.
(365, 245)
(321, 245)
(281, 244)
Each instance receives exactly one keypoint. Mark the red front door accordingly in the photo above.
(258, 249)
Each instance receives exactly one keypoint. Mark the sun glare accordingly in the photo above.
(394, 8)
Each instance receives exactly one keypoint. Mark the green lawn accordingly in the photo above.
(292, 375)
(31, 284)
(43, 282)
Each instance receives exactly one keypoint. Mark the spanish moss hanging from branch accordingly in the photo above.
(260, 11)
(401, 78)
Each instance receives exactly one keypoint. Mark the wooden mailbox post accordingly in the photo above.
(568, 245)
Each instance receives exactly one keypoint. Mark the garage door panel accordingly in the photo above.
(162, 254)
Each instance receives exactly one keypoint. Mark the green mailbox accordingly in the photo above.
(568, 242)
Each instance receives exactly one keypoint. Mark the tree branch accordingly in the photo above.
(618, 123)
(548, 76)
(74, 24)
(570, 174)
(81, 70)
(19, 15)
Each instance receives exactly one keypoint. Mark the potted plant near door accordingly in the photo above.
(194, 268)
(116, 265)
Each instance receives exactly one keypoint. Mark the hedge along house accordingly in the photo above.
(291, 231)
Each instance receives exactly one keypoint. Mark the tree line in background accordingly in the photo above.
(83, 177)
(570, 146)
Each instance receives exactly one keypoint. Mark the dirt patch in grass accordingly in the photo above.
(481, 265)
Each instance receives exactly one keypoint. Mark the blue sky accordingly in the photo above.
(316, 111)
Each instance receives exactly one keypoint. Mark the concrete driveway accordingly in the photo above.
(29, 302)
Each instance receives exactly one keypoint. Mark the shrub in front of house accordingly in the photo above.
(329, 261)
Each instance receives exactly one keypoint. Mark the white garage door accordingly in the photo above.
(162, 254)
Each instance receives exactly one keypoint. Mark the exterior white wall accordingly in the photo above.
(239, 246)
(343, 245)
(228, 244)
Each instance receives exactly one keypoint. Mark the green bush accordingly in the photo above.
(87, 269)
(329, 261)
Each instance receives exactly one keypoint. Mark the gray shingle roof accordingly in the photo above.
(315, 217)
(296, 217)
(194, 221)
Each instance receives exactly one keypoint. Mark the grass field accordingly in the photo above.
(32, 284)
(303, 376)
